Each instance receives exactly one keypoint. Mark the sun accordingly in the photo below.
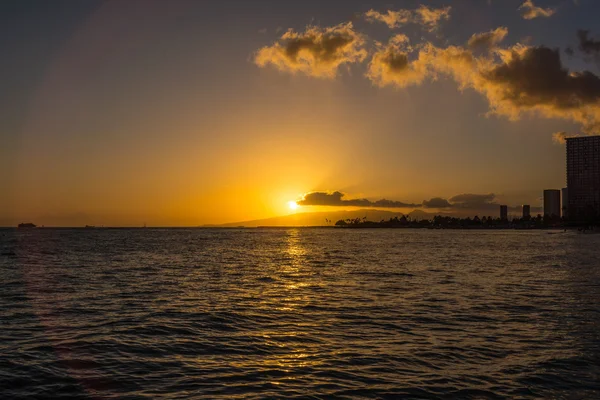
(293, 205)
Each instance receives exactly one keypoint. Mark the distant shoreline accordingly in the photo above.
(285, 227)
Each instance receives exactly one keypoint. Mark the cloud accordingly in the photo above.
(515, 81)
(431, 17)
(390, 65)
(569, 51)
(462, 204)
(317, 52)
(588, 45)
(427, 17)
(487, 40)
(533, 79)
(561, 137)
(397, 66)
(393, 19)
(437, 202)
(474, 201)
(467, 201)
(531, 11)
(336, 199)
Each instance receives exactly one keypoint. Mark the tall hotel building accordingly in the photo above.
(552, 203)
(583, 177)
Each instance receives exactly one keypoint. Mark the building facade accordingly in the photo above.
(565, 202)
(552, 203)
(583, 177)
(526, 211)
(504, 213)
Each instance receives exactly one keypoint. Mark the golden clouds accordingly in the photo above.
(488, 40)
(393, 19)
(560, 137)
(317, 52)
(431, 17)
(531, 11)
(390, 65)
(533, 79)
(515, 80)
(427, 17)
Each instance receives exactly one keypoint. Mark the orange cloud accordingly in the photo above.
(390, 65)
(515, 80)
(488, 40)
(317, 52)
(533, 79)
(531, 11)
(429, 18)
(561, 137)
(393, 19)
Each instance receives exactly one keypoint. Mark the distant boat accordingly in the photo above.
(27, 225)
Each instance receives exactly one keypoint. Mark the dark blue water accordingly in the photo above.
(299, 313)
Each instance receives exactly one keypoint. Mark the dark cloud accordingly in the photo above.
(586, 44)
(465, 201)
(474, 201)
(569, 51)
(534, 79)
(462, 204)
(336, 199)
(437, 202)
(589, 46)
(515, 80)
(473, 198)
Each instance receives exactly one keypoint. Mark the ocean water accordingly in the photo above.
(299, 313)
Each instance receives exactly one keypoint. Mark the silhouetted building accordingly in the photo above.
(526, 211)
(565, 203)
(583, 177)
(552, 203)
(504, 213)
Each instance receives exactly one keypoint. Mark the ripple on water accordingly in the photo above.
(293, 313)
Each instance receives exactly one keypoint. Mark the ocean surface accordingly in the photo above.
(299, 313)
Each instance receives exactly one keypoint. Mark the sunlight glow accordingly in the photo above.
(293, 205)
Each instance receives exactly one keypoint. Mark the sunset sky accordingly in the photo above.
(183, 113)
